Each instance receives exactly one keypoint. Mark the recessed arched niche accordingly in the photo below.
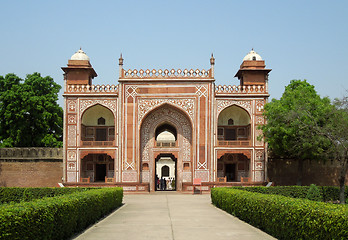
(234, 124)
(145, 166)
(98, 124)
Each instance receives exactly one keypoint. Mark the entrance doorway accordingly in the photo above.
(100, 172)
(230, 172)
(165, 172)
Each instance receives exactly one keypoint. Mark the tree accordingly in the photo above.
(30, 115)
(335, 130)
(287, 128)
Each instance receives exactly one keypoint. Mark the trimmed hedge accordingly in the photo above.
(284, 217)
(15, 194)
(328, 193)
(57, 217)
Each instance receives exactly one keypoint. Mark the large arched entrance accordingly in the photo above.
(166, 135)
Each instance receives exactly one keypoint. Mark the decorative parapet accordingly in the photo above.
(108, 89)
(249, 89)
(31, 153)
(168, 74)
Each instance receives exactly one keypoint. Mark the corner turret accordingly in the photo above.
(253, 70)
(79, 70)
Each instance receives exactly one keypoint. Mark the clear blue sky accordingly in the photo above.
(298, 39)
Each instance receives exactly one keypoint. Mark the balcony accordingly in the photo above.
(233, 142)
(97, 143)
(165, 144)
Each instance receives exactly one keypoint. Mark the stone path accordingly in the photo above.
(171, 216)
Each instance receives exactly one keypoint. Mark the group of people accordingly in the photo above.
(163, 184)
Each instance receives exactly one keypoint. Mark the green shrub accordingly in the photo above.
(328, 193)
(284, 217)
(331, 193)
(57, 217)
(15, 194)
(288, 191)
(314, 193)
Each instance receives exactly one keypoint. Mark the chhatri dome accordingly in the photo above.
(252, 56)
(79, 55)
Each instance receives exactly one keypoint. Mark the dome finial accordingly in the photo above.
(212, 59)
(252, 56)
(120, 60)
(79, 55)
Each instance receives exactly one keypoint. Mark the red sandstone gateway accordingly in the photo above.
(162, 129)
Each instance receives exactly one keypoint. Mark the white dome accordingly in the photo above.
(79, 55)
(166, 136)
(252, 55)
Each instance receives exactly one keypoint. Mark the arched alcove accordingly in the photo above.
(97, 167)
(233, 166)
(234, 124)
(97, 125)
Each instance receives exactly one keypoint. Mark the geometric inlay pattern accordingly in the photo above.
(145, 105)
(223, 103)
(108, 103)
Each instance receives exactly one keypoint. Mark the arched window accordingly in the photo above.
(101, 121)
(254, 58)
(165, 171)
(230, 121)
(166, 136)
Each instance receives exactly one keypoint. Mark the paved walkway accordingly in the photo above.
(171, 216)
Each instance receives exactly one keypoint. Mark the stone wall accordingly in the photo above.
(284, 172)
(43, 167)
(31, 167)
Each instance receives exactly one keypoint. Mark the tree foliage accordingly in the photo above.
(288, 129)
(304, 126)
(30, 114)
(335, 131)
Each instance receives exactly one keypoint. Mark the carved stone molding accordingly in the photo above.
(145, 105)
(224, 103)
(108, 103)
(259, 106)
(71, 106)
(71, 155)
(201, 91)
(260, 120)
(165, 114)
(131, 91)
(203, 175)
(72, 135)
(259, 155)
(72, 119)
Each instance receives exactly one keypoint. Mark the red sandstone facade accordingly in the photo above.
(112, 133)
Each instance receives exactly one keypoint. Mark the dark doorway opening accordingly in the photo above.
(230, 172)
(165, 171)
(100, 172)
(100, 134)
(164, 181)
(230, 134)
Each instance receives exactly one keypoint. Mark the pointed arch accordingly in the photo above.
(165, 114)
